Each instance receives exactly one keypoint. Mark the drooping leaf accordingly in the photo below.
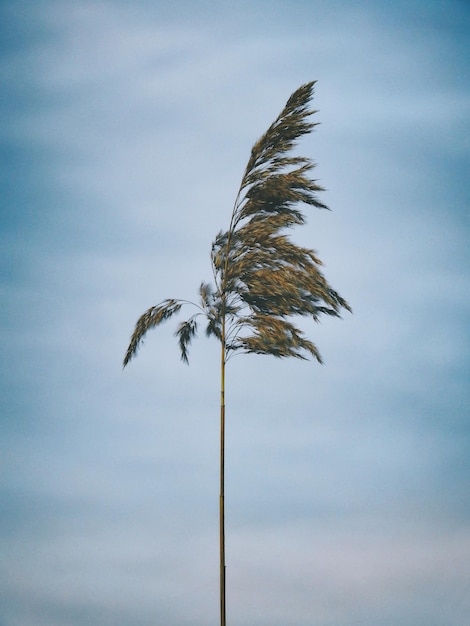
(277, 337)
(150, 319)
(185, 333)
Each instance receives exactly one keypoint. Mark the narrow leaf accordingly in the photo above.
(151, 318)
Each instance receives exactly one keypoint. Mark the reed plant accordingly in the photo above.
(262, 281)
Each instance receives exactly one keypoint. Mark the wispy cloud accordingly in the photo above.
(125, 130)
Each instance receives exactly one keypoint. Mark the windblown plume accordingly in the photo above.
(261, 277)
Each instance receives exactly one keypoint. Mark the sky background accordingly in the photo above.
(124, 131)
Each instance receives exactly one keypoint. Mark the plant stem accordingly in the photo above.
(222, 481)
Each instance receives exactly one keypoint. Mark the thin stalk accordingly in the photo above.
(222, 479)
(222, 428)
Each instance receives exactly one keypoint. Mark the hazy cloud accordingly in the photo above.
(125, 130)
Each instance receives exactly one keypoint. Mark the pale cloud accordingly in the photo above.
(346, 483)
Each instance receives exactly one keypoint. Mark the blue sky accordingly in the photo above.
(125, 128)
